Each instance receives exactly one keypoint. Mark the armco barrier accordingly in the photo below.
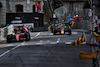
(4, 31)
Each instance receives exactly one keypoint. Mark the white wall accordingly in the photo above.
(3, 11)
(6, 31)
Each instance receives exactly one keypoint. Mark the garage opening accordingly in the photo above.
(34, 9)
(19, 8)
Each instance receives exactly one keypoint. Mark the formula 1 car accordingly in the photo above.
(62, 29)
(20, 33)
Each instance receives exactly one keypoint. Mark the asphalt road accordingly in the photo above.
(44, 50)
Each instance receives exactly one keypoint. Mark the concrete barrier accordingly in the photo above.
(10, 29)
(5, 31)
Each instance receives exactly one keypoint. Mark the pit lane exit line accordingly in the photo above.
(37, 34)
(58, 40)
(16, 47)
(12, 49)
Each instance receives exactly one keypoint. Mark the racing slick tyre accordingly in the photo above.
(8, 39)
(27, 36)
(51, 30)
(64, 32)
(70, 33)
(54, 33)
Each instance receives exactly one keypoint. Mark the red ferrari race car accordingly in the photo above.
(20, 33)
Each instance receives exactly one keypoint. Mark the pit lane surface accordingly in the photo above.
(44, 50)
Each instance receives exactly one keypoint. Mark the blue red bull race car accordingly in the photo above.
(62, 29)
(20, 33)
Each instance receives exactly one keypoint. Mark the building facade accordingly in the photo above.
(39, 12)
(3, 11)
(25, 10)
(68, 8)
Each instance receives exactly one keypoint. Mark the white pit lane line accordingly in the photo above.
(39, 43)
(36, 35)
(11, 49)
(41, 40)
(56, 41)
(68, 43)
(53, 42)
(74, 32)
(1, 55)
(10, 45)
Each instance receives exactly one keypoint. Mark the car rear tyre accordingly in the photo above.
(51, 30)
(8, 39)
(70, 33)
(54, 33)
(27, 36)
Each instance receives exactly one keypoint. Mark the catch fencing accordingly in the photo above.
(84, 24)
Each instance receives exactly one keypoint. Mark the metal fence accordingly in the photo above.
(64, 13)
(84, 24)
